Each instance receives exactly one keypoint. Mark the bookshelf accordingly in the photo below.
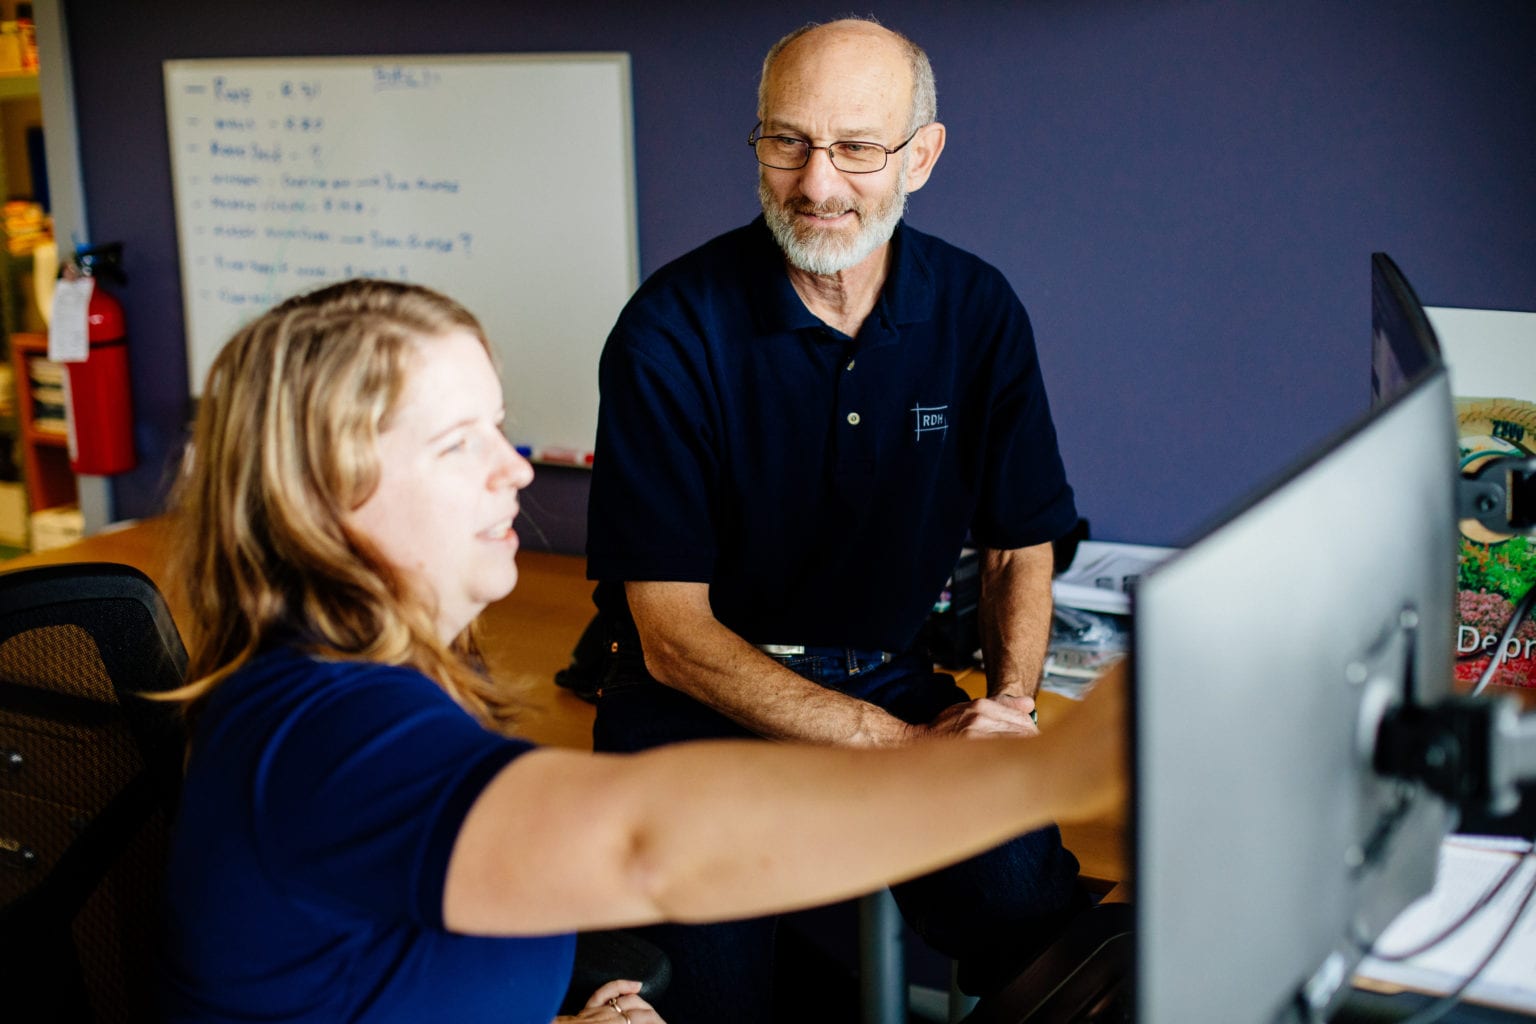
(34, 461)
(41, 434)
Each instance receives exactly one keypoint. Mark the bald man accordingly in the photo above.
(802, 422)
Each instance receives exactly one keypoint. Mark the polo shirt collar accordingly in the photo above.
(907, 298)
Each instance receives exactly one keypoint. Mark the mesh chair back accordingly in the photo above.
(88, 777)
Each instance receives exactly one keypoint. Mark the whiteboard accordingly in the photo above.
(506, 182)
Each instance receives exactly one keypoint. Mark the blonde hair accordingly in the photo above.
(283, 448)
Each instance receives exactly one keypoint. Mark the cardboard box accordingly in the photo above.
(56, 527)
(13, 514)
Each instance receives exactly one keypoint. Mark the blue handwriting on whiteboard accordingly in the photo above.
(298, 234)
(274, 205)
(264, 267)
(427, 243)
(294, 90)
(226, 93)
(401, 77)
(258, 299)
(385, 273)
(343, 206)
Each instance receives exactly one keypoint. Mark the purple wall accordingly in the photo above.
(1185, 195)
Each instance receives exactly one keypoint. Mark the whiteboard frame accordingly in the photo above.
(200, 352)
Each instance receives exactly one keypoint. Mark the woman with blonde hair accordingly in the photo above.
(360, 838)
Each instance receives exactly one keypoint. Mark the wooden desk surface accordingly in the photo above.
(528, 636)
(1100, 845)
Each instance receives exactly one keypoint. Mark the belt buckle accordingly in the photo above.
(782, 650)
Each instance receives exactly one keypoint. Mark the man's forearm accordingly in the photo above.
(688, 649)
(1015, 617)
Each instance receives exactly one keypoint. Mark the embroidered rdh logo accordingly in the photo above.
(929, 419)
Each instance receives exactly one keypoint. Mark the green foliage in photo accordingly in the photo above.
(1507, 568)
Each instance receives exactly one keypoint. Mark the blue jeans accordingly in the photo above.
(992, 913)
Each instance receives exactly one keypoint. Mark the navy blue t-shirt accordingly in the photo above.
(310, 851)
(822, 485)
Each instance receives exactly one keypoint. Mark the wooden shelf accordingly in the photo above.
(44, 453)
(16, 85)
(40, 460)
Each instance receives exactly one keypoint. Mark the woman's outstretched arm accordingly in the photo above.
(562, 840)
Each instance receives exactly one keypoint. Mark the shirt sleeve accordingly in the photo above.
(653, 503)
(360, 795)
(1025, 498)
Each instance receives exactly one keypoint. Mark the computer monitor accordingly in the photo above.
(1268, 852)
(1403, 343)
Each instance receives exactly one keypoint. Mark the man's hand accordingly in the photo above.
(1003, 715)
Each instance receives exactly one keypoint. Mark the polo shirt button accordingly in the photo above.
(853, 419)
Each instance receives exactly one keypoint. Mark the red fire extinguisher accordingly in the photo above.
(97, 392)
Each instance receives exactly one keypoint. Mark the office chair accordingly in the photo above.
(88, 781)
(605, 955)
(89, 774)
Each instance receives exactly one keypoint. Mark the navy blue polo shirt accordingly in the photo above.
(822, 485)
(306, 870)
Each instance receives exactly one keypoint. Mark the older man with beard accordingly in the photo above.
(801, 423)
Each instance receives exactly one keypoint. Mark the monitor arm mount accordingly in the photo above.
(1501, 495)
(1472, 751)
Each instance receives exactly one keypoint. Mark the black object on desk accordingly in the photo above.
(951, 632)
(1083, 978)
(603, 956)
(1362, 1007)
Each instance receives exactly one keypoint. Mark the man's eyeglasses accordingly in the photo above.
(787, 153)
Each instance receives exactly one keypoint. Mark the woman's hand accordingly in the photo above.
(617, 1002)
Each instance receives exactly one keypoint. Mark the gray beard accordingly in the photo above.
(826, 253)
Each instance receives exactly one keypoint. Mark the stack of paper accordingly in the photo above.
(1102, 575)
(1091, 627)
(1469, 868)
